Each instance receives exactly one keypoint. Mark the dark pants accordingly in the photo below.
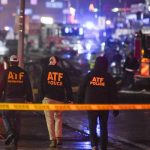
(103, 119)
(118, 68)
(12, 123)
(128, 80)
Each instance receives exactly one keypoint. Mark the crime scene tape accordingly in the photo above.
(72, 107)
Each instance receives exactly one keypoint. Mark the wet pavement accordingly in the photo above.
(129, 131)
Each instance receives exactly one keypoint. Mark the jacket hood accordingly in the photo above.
(101, 64)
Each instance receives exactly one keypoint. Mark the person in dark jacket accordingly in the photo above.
(15, 85)
(55, 87)
(131, 65)
(98, 87)
(117, 58)
(4, 64)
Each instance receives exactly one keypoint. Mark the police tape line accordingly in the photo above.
(72, 107)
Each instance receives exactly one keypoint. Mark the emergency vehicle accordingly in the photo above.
(63, 36)
(142, 52)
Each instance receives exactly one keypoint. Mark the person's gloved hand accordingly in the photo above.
(115, 113)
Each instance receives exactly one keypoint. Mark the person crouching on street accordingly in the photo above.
(55, 86)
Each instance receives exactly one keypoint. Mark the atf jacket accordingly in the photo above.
(98, 88)
(16, 85)
(55, 84)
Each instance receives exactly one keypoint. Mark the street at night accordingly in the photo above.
(75, 52)
(129, 131)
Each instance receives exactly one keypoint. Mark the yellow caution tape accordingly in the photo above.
(73, 107)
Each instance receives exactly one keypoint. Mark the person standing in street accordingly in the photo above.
(98, 87)
(55, 88)
(4, 64)
(130, 67)
(15, 85)
(117, 58)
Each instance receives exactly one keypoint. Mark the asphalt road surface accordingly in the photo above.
(129, 131)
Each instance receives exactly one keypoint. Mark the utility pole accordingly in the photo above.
(100, 8)
(21, 33)
(77, 9)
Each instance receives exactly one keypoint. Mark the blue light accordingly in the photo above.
(81, 32)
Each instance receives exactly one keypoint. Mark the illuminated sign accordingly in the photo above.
(137, 7)
(33, 2)
(4, 2)
(58, 5)
(28, 11)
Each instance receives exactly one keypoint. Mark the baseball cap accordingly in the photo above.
(14, 58)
